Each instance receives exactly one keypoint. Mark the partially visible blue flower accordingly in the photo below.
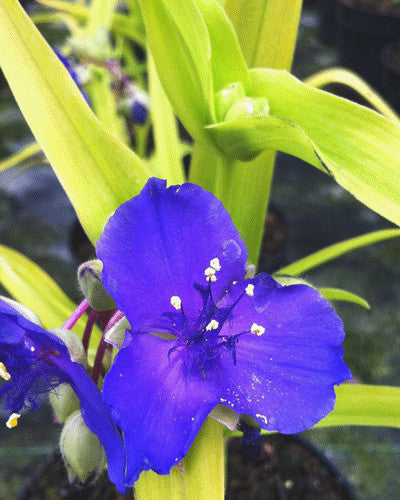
(74, 75)
(175, 264)
(32, 362)
(139, 106)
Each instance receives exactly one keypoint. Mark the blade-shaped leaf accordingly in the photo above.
(165, 130)
(328, 293)
(266, 29)
(361, 405)
(348, 78)
(28, 284)
(357, 146)
(343, 295)
(180, 44)
(96, 170)
(227, 61)
(337, 250)
(28, 152)
(371, 405)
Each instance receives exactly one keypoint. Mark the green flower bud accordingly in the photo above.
(248, 107)
(73, 343)
(64, 401)
(89, 277)
(83, 454)
(225, 99)
(24, 311)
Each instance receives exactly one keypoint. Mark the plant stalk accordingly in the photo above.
(200, 476)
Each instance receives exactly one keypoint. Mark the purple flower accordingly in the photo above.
(32, 362)
(175, 264)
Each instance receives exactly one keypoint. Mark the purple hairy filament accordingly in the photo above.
(200, 341)
(32, 373)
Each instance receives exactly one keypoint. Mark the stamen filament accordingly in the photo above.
(114, 319)
(98, 361)
(76, 315)
(88, 330)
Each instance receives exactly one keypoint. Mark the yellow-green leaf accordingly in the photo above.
(167, 158)
(228, 64)
(28, 152)
(96, 170)
(180, 45)
(371, 405)
(28, 284)
(266, 29)
(337, 250)
(348, 78)
(357, 146)
(343, 295)
(361, 405)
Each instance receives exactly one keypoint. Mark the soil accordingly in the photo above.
(393, 58)
(285, 468)
(384, 7)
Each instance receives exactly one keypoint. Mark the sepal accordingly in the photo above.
(64, 401)
(73, 343)
(225, 416)
(89, 278)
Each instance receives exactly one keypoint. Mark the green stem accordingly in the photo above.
(202, 474)
(223, 182)
(103, 102)
(165, 129)
(251, 186)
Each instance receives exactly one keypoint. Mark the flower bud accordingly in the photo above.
(89, 277)
(136, 104)
(73, 343)
(225, 99)
(83, 454)
(24, 311)
(64, 402)
(248, 107)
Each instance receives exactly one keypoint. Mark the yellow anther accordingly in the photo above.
(3, 372)
(215, 264)
(212, 325)
(13, 420)
(210, 274)
(176, 302)
(250, 290)
(257, 329)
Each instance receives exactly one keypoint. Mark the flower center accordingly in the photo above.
(199, 341)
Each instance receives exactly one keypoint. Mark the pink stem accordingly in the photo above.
(114, 320)
(98, 361)
(116, 70)
(79, 311)
(88, 330)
